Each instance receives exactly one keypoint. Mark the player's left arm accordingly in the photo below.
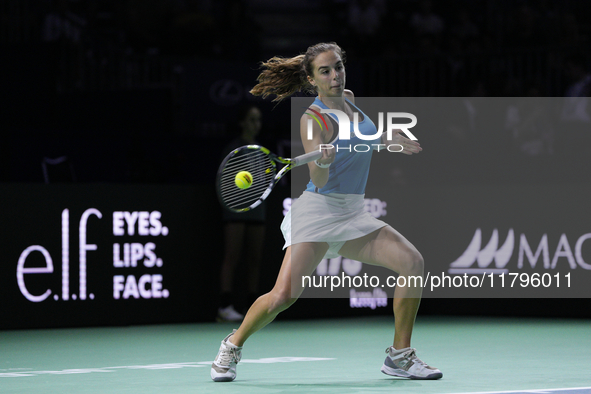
(409, 146)
(318, 175)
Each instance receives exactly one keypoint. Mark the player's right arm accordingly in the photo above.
(318, 141)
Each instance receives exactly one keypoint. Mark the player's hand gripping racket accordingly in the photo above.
(258, 166)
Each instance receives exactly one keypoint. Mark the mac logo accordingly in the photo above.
(483, 258)
(477, 259)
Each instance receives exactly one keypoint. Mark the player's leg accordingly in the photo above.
(300, 259)
(387, 248)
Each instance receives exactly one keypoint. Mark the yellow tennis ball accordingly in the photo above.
(243, 179)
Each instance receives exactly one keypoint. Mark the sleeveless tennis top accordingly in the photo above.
(350, 169)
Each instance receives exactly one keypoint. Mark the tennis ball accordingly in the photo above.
(243, 179)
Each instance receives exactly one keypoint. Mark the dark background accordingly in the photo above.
(145, 92)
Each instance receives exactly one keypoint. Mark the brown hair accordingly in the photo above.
(284, 77)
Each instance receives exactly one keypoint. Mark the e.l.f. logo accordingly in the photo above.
(21, 270)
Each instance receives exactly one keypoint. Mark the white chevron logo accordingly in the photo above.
(484, 257)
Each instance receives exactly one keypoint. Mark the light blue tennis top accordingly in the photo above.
(350, 169)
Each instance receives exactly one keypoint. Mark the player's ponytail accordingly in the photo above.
(283, 77)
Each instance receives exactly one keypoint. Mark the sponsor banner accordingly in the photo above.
(104, 254)
(499, 232)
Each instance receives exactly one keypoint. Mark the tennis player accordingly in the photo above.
(329, 218)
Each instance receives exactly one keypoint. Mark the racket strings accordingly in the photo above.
(262, 169)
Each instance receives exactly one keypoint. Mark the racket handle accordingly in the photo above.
(306, 158)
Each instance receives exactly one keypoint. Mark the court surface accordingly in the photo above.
(315, 356)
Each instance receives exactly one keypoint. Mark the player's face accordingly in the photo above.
(329, 74)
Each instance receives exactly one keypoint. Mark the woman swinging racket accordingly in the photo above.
(329, 218)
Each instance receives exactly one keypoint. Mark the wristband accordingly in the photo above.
(322, 165)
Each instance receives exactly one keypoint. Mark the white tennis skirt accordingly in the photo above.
(332, 218)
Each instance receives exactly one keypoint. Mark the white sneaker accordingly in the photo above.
(405, 363)
(223, 368)
(229, 314)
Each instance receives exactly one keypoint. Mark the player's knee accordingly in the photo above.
(414, 264)
(281, 300)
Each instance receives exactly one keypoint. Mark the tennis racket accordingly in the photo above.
(262, 165)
